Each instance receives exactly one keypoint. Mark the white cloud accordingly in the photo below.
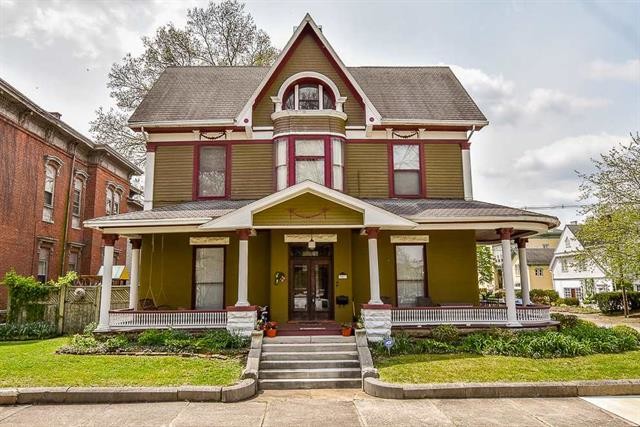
(627, 71)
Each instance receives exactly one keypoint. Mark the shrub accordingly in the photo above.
(566, 320)
(609, 302)
(543, 296)
(160, 337)
(435, 347)
(571, 301)
(117, 343)
(445, 333)
(82, 344)
(221, 339)
(624, 330)
(26, 331)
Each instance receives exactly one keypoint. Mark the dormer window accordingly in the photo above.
(309, 96)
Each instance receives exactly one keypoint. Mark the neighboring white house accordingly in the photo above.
(571, 280)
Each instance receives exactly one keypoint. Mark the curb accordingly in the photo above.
(245, 389)
(378, 388)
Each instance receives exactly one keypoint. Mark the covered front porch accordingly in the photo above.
(311, 254)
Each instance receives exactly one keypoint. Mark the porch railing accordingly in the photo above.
(130, 319)
(427, 316)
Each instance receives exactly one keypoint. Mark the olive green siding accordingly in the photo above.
(314, 124)
(443, 169)
(307, 55)
(173, 175)
(367, 170)
(307, 209)
(251, 171)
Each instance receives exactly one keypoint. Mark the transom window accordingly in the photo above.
(411, 282)
(308, 96)
(406, 170)
(212, 171)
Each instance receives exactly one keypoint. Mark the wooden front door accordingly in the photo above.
(310, 291)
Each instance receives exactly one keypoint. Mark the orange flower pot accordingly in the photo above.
(271, 332)
(346, 332)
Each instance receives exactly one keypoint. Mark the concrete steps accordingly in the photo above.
(305, 362)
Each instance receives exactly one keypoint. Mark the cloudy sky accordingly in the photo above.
(559, 81)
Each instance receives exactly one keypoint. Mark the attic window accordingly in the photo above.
(308, 96)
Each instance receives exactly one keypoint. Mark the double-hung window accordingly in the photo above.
(406, 170)
(43, 264)
(309, 160)
(76, 203)
(212, 170)
(109, 201)
(209, 278)
(337, 163)
(410, 274)
(49, 191)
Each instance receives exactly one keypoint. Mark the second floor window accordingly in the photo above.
(113, 198)
(49, 191)
(406, 170)
(308, 96)
(212, 180)
(76, 203)
(309, 158)
(565, 265)
(539, 272)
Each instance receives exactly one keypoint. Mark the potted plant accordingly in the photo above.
(271, 329)
(347, 329)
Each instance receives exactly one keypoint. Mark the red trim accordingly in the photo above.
(196, 171)
(505, 233)
(522, 243)
(465, 145)
(372, 232)
(136, 243)
(421, 170)
(376, 306)
(415, 141)
(242, 308)
(109, 239)
(243, 233)
(327, 157)
(151, 147)
(193, 275)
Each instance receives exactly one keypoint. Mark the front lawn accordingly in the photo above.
(35, 363)
(440, 368)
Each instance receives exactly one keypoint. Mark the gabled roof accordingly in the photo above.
(537, 256)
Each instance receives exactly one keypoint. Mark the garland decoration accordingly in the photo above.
(212, 138)
(411, 135)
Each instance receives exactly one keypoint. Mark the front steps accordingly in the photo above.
(304, 362)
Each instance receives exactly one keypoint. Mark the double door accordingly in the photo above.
(310, 296)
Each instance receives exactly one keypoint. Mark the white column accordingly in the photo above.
(134, 282)
(149, 167)
(374, 274)
(243, 268)
(466, 171)
(524, 271)
(107, 279)
(507, 277)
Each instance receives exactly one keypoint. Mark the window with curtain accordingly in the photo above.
(410, 274)
(72, 265)
(309, 158)
(212, 171)
(406, 170)
(282, 173)
(49, 191)
(209, 278)
(337, 160)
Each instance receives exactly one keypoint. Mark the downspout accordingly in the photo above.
(65, 234)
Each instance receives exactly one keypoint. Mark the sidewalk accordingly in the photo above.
(323, 407)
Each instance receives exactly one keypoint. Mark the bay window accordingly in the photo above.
(407, 176)
(212, 170)
(337, 161)
(410, 274)
(309, 161)
(282, 174)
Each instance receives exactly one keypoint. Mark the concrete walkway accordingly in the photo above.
(322, 407)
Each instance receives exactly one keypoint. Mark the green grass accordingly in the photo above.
(436, 368)
(34, 363)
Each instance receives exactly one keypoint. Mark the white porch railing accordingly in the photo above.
(129, 319)
(427, 316)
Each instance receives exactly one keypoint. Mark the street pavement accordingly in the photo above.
(333, 408)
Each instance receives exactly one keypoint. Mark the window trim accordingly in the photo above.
(328, 158)
(425, 267)
(422, 175)
(294, 88)
(196, 170)
(193, 274)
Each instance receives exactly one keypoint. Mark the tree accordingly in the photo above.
(485, 262)
(610, 235)
(219, 34)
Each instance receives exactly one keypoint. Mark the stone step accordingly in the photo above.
(309, 347)
(289, 384)
(307, 364)
(310, 373)
(309, 339)
(318, 355)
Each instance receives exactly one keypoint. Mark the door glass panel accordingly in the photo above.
(321, 280)
(300, 288)
(209, 278)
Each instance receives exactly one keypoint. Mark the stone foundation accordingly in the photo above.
(377, 321)
(241, 322)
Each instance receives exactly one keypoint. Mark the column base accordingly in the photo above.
(242, 320)
(102, 329)
(377, 321)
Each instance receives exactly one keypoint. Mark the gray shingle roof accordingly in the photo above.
(537, 256)
(204, 93)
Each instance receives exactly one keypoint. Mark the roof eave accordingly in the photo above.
(479, 124)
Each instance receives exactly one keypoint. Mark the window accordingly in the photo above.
(539, 271)
(565, 265)
(545, 246)
(337, 160)
(212, 168)
(209, 278)
(410, 274)
(406, 170)
(309, 158)
(43, 264)
(72, 265)
(116, 203)
(76, 203)
(308, 96)
(567, 243)
(573, 293)
(109, 200)
(282, 174)
(49, 189)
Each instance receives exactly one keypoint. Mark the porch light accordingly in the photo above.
(312, 243)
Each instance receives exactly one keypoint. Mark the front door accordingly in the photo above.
(310, 296)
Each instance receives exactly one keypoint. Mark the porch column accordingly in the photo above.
(107, 279)
(243, 267)
(524, 271)
(374, 274)
(507, 276)
(134, 282)
(466, 170)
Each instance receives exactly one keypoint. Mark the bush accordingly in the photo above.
(221, 340)
(609, 302)
(568, 301)
(624, 331)
(543, 296)
(116, 344)
(566, 320)
(445, 333)
(160, 337)
(82, 344)
(431, 346)
(26, 331)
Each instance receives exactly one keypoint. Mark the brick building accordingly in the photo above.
(52, 178)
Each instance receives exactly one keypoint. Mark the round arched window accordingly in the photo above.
(308, 95)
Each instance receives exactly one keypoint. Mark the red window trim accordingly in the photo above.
(196, 171)
(425, 268)
(328, 157)
(309, 80)
(422, 179)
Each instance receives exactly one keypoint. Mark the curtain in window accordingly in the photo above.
(209, 278)
(406, 170)
(409, 274)
(310, 161)
(212, 172)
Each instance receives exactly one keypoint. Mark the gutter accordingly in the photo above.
(469, 123)
(182, 123)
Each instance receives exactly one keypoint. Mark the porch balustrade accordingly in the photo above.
(473, 316)
(131, 319)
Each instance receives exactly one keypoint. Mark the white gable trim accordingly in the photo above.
(245, 117)
(372, 215)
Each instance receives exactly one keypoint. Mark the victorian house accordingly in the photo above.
(319, 190)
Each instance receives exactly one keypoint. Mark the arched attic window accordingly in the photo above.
(309, 95)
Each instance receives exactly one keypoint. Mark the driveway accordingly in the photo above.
(340, 408)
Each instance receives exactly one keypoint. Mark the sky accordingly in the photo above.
(558, 81)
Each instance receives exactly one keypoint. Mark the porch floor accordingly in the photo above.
(306, 328)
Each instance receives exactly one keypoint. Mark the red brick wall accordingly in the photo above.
(22, 176)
